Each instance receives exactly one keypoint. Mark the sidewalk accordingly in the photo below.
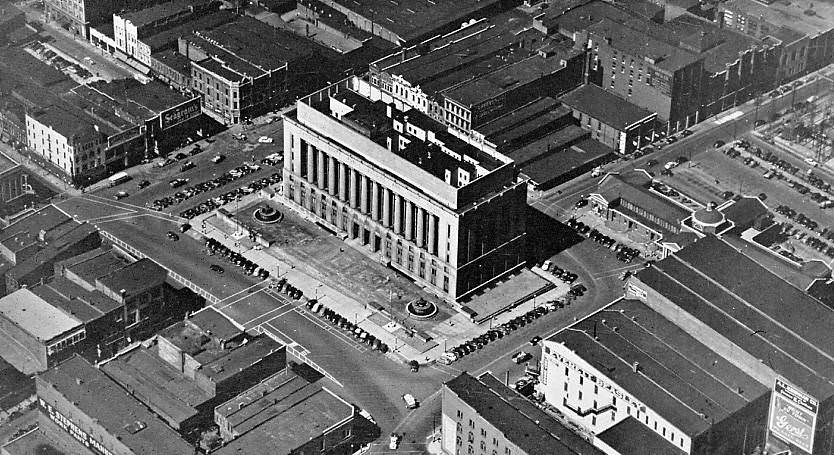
(279, 264)
(452, 332)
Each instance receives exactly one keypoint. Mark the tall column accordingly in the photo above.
(421, 214)
(376, 189)
(363, 193)
(409, 220)
(322, 162)
(331, 176)
(386, 207)
(354, 181)
(311, 160)
(432, 233)
(398, 212)
(343, 179)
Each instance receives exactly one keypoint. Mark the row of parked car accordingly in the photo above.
(623, 253)
(208, 185)
(558, 272)
(343, 323)
(496, 333)
(214, 247)
(817, 243)
(226, 198)
(798, 217)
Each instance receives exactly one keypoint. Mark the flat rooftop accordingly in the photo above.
(171, 35)
(631, 437)
(136, 277)
(640, 44)
(100, 398)
(579, 155)
(44, 219)
(161, 11)
(456, 51)
(521, 116)
(496, 83)
(202, 328)
(633, 186)
(146, 100)
(281, 414)
(736, 297)
(72, 122)
(374, 119)
(36, 316)
(628, 331)
(94, 264)
(260, 44)
(605, 106)
(412, 19)
(85, 305)
(790, 15)
(552, 143)
(533, 432)
(157, 384)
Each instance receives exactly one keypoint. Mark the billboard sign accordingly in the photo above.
(793, 415)
(179, 114)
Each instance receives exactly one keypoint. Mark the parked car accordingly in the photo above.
(217, 158)
(265, 140)
(172, 235)
(120, 195)
(143, 184)
(718, 144)
(187, 165)
(410, 401)
(216, 268)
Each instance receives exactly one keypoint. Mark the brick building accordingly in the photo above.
(482, 416)
(614, 375)
(753, 319)
(78, 399)
(287, 414)
(613, 121)
(191, 367)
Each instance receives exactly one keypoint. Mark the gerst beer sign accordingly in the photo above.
(793, 415)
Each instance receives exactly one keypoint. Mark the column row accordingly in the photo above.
(370, 197)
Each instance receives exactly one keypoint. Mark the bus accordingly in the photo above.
(118, 178)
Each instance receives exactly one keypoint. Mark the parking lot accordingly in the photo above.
(785, 187)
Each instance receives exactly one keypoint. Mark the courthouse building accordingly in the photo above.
(399, 185)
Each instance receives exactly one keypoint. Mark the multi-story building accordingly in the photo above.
(448, 215)
(616, 376)
(205, 359)
(685, 69)
(287, 414)
(240, 75)
(70, 140)
(482, 416)
(623, 126)
(479, 72)
(753, 319)
(97, 303)
(804, 29)
(411, 21)
(36, 335)
(78, 15)
(131, 27)
(78, 399)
